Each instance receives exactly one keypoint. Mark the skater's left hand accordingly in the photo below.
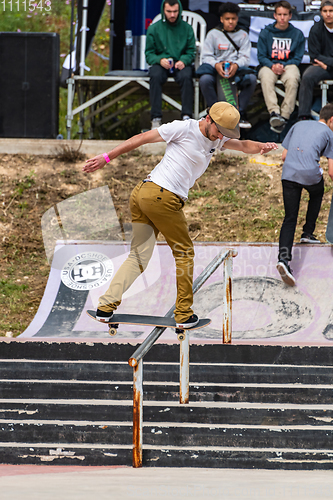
(268, 146)
(94, 163)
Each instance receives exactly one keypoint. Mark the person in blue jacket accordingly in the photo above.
(280, 50)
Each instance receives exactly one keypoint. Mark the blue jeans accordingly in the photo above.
(291, 199)
(158, 76)
(247, 85)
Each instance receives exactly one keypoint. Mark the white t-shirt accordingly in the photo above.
(186, 158)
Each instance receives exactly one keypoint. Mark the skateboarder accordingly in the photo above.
(304, 144)
(156, 203)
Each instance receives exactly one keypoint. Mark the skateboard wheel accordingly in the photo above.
(181, 336)
(113, 330)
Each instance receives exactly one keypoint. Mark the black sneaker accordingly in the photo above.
(244, 123)
(279, 129)
(308, 238)
(104, 316)
(276, 120)
(277, 123)
(190, 323)
(285, 273)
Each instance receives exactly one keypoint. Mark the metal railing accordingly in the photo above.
(136, 360)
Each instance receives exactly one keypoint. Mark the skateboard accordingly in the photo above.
(136, 319)
(329, 228)
(227, 90)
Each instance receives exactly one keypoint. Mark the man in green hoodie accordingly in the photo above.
(170, 51)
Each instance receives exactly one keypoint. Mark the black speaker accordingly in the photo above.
(29, 85)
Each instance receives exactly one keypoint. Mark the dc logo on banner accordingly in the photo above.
(87, 271)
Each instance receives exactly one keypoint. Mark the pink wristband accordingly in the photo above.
(106, 158)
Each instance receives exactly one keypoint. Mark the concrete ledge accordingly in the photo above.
(50, 146)
(88, 147)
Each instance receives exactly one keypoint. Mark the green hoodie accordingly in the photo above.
(170, 40)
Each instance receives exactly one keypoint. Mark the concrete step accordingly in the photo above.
(168, 412)
(65, 370)
(249, 406)
(168, 391)
(159, 411)
(215, 353)
(160, 372)
(170, 456)
(238, 458)
(55, 454)
(66, 432)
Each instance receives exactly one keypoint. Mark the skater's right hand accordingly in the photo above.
(94, 164)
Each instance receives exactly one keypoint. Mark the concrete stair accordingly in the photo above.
(250, 406)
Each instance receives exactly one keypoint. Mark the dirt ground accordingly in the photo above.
(237, 199)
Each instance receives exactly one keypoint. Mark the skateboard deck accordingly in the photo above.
(329, 228)
(227, 90)
(137, 319)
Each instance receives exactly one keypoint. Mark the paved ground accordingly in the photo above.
(85, 483)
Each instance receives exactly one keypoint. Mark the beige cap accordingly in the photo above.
(226, 118)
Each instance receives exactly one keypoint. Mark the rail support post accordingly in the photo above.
(70, 98)
(184, 371)
(137, 413)
(227, 297)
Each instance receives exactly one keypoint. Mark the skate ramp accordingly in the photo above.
(265, 310)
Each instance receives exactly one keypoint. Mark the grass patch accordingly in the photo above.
(26, 183)
(195, 194)
(13, 298)
(12, 290)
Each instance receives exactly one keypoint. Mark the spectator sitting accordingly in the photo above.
(224, 43)
(320, 45)
(280, 51)
(170, 50)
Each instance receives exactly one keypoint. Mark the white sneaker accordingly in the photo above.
(189, 323)
(103, 316)
(285, 273)
(155, 123)
(186, 117)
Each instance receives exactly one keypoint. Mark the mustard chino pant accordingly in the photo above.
(155, 209)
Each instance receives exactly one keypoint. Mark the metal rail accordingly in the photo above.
(136, 360)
